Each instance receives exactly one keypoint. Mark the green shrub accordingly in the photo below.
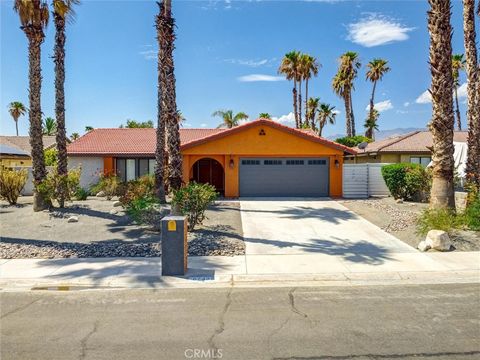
(438, 219)
(407, 181)
(138, 209)
(352, 141)
(110, 185)
(12, 183)
(471, 216)
(51, 157)
(192, 201)
(81, 194)
(51, 187)
(141, 188)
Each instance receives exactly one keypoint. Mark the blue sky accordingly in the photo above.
(227, 55)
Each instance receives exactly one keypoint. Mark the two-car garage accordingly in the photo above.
(302, 177)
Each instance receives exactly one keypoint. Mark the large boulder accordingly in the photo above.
(117, 203)
(101, 194)
(438, 240)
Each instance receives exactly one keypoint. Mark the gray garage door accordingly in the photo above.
(284, 177)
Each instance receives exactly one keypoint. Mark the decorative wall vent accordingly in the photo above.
(262, 132)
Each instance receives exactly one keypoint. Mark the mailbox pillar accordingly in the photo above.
(174, 245)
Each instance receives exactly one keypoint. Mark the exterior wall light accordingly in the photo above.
(231, 163)
(337, 163)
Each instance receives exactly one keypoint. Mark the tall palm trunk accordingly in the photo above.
(295, 105)
(169, 109)
(457, 109)
(61, 136)
(442, 123)
(160, 133)
(473, 99)
(348, 113)
(306, 100)
(16, 125)
(352, 117)
(300, 120)
(321, 124)
(35, 39)
(372, 100)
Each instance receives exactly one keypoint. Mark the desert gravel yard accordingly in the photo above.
(399, 220)
(103, 230)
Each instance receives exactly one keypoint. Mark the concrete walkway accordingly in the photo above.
(287, 242)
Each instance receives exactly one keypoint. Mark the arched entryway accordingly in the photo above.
(209, 171)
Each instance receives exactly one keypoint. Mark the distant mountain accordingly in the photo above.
(383, 134)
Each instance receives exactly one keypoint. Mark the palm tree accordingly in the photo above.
(309, 68)
(62, 12)
(442, 123)
(473, 98)
(290, 67)
(326, 114)
(74, 136)
(264, 116)
(33, 16)
(371, 124)
(311, 107)
(343, 86)
(16, 109)
(88, 128)
(49, 126)
(377, 68)
(458, 63)
(166, 39)
(338, 85)
(230, 120)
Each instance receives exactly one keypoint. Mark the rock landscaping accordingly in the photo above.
(399, 219)
(98, 228)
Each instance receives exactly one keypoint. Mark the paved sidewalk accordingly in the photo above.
(227, 271)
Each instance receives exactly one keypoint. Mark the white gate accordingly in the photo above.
(363, 180)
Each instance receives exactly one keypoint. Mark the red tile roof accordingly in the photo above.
(143, 141)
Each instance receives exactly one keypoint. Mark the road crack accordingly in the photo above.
(294, 309)
(83, 342)
(221, 321)
(20, 308)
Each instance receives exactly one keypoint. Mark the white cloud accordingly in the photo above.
(285, 119)
(336, 111)
(243, 121)
(381, 106)
(377, 30)
(249, 62)
(259, 77)
(406, 104)
(148, 52)
(424, 98)
(203, 125)
(462, 90)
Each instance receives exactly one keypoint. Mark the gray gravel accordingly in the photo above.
(99, 233)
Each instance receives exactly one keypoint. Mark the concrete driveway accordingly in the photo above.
(320, 235)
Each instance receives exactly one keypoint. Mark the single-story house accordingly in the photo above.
(259, 158)
(15, 150)
(414, 147)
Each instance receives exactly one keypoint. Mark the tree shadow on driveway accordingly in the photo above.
(330, 215)
(361, 251)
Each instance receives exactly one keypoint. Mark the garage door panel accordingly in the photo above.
(284, 177)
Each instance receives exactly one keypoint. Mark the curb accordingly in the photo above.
(241, 280)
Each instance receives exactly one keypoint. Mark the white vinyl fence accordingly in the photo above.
(363, 180)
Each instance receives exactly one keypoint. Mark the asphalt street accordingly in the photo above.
(368, 322)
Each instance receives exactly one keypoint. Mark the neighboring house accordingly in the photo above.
(15, 150)
(259, 158)
(414, 147)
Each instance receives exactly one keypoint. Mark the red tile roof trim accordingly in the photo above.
(140, 142)
(271, 123)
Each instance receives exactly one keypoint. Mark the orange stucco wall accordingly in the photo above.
(275, 143)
